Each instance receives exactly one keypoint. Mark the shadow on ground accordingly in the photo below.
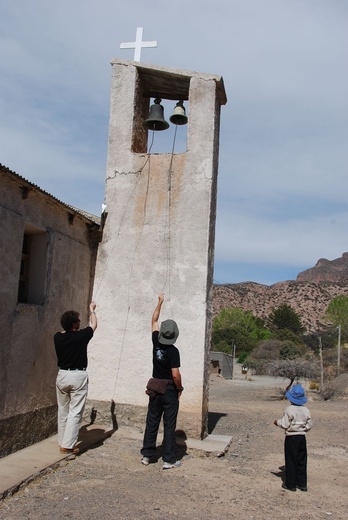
(213, 419)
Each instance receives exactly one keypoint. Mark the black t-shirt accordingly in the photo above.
(71, 348)
(164, 358)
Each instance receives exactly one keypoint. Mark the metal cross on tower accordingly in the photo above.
(138, 44)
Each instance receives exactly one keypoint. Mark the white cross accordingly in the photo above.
(138, 44)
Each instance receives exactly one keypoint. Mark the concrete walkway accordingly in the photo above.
(20, 468)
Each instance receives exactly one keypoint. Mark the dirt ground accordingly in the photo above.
(108, 482)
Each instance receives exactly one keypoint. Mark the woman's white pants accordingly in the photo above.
(72, 389)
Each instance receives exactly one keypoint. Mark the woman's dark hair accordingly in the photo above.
(68, 319)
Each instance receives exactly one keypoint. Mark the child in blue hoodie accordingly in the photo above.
(296, 422)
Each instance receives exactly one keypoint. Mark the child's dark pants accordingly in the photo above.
(295, 449)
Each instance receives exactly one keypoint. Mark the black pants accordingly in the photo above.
(295, 449)
(168, 406)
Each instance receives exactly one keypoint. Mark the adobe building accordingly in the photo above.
(48, 252)
(158, 237)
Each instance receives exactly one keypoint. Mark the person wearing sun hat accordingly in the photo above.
(164, 390)
(296, 422)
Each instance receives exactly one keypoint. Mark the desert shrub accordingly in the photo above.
(330, 359)
(294, 369)
(336, 388)
(287, 335)
(314, 385)
(268, 349)
(328, 338)
(327, 392)
(255, 366)
(289, 350)
(242, 357)
(262, 354)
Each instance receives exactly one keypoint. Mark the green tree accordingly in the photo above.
(337, 313)
(285, 318)
(241, 328)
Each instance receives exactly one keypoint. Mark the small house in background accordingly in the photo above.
(48, 254)
(222, 364)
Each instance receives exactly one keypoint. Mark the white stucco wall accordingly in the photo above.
(158, 237)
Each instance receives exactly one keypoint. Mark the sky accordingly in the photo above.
(282, 182)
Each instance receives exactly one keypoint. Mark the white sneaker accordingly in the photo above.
(169, 465)
(145, 461)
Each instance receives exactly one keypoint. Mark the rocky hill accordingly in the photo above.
(309, 295)
(326, 271)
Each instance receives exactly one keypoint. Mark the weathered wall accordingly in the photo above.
(27, 358)
(158, 237)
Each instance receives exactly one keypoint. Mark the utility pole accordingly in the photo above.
(339, 350)
(321, 365)
(233, 357)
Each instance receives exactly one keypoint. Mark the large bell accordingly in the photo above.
(156, 120)
(179, 116)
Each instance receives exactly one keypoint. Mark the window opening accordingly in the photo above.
(24, 271)
(32, 276)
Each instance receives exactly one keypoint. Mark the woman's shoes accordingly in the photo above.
(69, 450)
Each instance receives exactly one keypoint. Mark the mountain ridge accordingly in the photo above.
(309, 295)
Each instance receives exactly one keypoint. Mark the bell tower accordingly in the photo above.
(158, 237)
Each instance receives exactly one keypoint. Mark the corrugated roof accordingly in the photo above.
(85, 214)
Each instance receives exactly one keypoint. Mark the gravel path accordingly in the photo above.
(109, 482)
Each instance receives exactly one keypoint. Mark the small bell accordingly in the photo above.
(179, 116)
(155, 120)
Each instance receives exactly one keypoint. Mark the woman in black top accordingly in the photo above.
(72, 379)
